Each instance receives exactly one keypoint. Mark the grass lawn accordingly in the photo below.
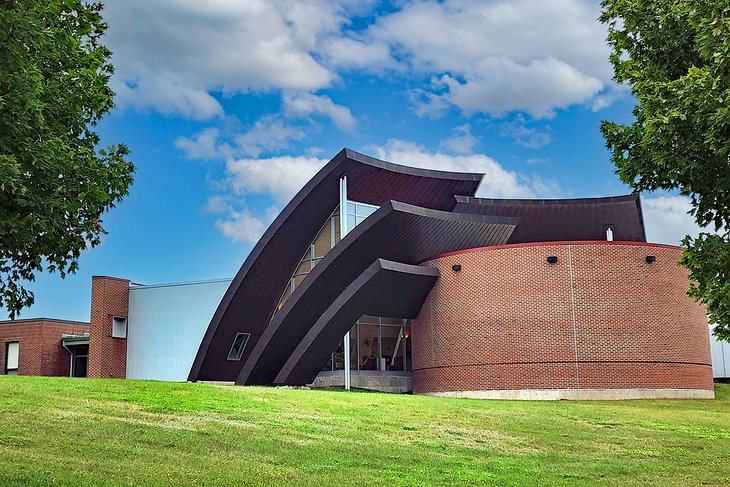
(61, 431)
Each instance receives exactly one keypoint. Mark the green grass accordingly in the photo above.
(60, 431)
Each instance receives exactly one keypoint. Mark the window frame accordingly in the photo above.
(115, 319)
(237, 357)
(6, 369)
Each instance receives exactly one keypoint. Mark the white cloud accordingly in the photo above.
(523, 135)
(611, 94)
(358, 53)
(281, 176)
(269, 134)
(242, 226)
(498, 56)
(167, 95)
(461, 142)
(498, 85)
(304, 104)
(170, 54)
(666, 219)
(497, 182)
(203, 145)
(493, 56)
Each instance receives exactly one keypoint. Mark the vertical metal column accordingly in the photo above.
(343, 232)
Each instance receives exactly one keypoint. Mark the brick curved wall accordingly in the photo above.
(600, 318)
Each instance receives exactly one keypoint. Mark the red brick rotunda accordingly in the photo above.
(562, 320)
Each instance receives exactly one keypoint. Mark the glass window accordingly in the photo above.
(327, 237)
(323, 242)
(119, 327)
(369, 347)
(351, 222)
(12, 357)
(239, 343)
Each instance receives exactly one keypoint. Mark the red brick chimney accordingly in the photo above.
(108, 330)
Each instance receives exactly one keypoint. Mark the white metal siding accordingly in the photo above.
(165, 326)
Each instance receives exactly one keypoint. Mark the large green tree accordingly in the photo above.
(55, 180)
(675, 56)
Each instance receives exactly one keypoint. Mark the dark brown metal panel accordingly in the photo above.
(397, 232)
(384, 289)
(566, 219)
(251, 300)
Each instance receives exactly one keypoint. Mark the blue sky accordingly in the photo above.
(229, 107)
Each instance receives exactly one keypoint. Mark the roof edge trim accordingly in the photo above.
(411, 170)
(546, 202)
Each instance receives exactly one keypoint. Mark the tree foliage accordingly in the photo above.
(675, 56)
(56, 182)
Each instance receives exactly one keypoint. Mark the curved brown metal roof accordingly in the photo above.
(397, 231)
(385, 288)
(564, 219)
(250, 301)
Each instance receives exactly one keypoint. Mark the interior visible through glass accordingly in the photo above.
(376, 343)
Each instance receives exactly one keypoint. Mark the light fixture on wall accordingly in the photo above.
(456, 267)
(650, 259)
(552, 259)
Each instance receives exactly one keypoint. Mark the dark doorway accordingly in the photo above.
(79, 360)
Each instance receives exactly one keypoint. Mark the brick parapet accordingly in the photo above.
(601, 317)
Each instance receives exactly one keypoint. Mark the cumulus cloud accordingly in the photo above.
(667, 219)
(170, 54)
(499, 85)
(203, 145)
(495, 56)
(281, 177)
(523, 135)
(242, 226)
(304, 104)
(461, 142)
(497, 183)
(269, 134)
(499, 56)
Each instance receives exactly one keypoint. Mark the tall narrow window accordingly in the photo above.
(12, 354)
(239, 343)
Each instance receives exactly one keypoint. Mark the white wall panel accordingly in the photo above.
(165, 326)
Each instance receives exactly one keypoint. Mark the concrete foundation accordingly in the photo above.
(581, 394)
(400, 384)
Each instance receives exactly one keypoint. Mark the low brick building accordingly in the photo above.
(35, 347)
(45, 346)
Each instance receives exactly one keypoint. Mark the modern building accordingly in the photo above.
(435, 291)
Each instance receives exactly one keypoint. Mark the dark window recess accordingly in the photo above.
(239, 343)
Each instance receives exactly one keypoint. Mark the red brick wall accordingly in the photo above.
(107, 355)
(601, 317)
(41, 351)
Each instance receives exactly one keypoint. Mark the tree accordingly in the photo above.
(675, 56)
(56, 183)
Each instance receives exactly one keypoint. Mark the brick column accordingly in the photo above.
(107, 355)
